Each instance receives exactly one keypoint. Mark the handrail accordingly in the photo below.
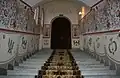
(14, 31)
(97, 3)
(27, 5)
(92, 8)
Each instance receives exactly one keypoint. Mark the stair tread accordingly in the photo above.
(25, 76)
(101, 76)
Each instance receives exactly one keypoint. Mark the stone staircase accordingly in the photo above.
(90, 68)
(61, 64)
(30, 67)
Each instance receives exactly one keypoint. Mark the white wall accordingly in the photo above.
(55, 8)
(68, 9)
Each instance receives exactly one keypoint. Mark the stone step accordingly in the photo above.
(88, 62)
(101, 76)
(36, 60)
(40, 55)
(25, 76)
(63, 72)
(36, 66)
(29, 67)
(92, 65)
(26, 68)
(60, 76)
(38, 63)
(51, 64)
(21, 72)
(98, 72)
(33, 63)
(59, 67)
(90, 69)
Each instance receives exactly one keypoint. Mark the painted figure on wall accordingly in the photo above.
(47, 31)
(75, 30)
(10, 45)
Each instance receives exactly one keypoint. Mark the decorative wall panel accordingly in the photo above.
(18, 37)
(46, 43)
(99, 45)
(47, 30)
(8, 13)
(75, 31)
(104, 29)
(112, 47)
(8, 47)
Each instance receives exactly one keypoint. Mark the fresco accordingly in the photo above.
(46, 31)
(112, 47)
(76, 42)
(7, 13)
(25, 18)
(90, 43)
(99, 45)
(75, 31)
(8, 47)
(103, 17)
(46, 43)
(15, 15)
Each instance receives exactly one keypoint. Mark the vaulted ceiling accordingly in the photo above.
(87, 2)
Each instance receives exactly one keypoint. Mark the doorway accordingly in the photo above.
(61, 33)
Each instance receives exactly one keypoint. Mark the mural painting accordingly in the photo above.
(15, 15)
(75, 31)
(10, 46)
(46, 42)
(24, 43)
(112, 47)
(99, 45)
(76, 42)
(7, 12)
(46, 31)
(90, 43)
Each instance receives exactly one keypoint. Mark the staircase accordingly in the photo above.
(90, 68)
(30, 67)
(61, 64)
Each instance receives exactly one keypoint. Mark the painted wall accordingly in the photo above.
(18, 37)
(101, 30)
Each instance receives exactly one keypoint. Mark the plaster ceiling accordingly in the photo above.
(87, 2)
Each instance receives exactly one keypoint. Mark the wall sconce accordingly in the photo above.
(80, 13)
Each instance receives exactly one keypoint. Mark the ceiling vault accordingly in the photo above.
(32, 3)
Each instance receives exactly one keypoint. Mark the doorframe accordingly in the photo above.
(70, 27)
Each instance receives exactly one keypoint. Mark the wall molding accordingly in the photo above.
(102, 32)
(14, 31)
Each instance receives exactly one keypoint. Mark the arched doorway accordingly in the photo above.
(61, 33)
